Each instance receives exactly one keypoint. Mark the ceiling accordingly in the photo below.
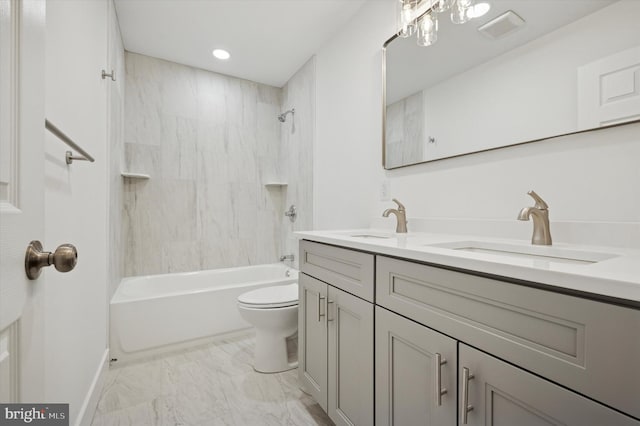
(269, 40)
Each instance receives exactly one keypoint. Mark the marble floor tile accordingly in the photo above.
(206, 386)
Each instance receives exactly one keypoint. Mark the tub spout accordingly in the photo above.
(286, 257)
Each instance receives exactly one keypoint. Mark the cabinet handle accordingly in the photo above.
(439, 389)
(320, 299)
(329, 301)
(465, 407)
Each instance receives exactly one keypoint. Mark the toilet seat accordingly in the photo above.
(280, 296)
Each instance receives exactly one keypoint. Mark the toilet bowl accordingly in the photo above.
(273, 311)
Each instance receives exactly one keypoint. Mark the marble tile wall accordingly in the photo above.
(297, 153)
(209, 143)
(404, 137)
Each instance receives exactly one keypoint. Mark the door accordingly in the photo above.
(415, 373)
(501, 394)
(350, 363)
(608, 90)
(312, 338)
(22, 31)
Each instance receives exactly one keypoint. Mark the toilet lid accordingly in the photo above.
(272, 297)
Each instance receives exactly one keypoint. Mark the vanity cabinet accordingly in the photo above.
(335, 331)
(587, 346)
(512, 354)
(416, 370)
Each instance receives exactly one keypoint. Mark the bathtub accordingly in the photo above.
(156, 313)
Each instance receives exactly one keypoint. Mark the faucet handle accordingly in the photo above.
(540, 204)
(400, 205)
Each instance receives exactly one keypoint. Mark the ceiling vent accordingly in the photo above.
(501, 26)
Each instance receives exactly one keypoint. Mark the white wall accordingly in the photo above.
(76, 201)
(589, 180)
(115, 128)
(347, 153)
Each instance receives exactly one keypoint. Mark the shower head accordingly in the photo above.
(283, 117)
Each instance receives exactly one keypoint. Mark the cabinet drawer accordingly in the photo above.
(588, 346)
(349, 270)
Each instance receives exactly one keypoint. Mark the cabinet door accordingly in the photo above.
(312, 338)
(350, 327)
(501, 394)
(413, 365)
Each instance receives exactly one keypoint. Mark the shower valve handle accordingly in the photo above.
(292, 213)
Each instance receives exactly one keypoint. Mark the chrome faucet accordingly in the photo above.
(540, 215)
(401, 216)
(286, 257)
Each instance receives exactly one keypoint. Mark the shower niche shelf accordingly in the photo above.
(276, 184)
(131, 175)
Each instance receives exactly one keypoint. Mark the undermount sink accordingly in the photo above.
(379, 236)
(543, 253)
(365, 234)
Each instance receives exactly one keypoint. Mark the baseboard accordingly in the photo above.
(90, 403)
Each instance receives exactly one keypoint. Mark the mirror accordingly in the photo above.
(573, 65)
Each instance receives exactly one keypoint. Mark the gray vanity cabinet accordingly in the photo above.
(456, 348)
(587, 346)
(413, 362)
(312, 338)
(501, 394)
(415, 373)
(335, 331)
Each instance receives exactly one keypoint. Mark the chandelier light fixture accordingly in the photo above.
(421, 16)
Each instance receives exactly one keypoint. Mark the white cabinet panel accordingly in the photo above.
(9, 364)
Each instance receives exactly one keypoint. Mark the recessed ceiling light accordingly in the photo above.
(478, 10)
(221, 54)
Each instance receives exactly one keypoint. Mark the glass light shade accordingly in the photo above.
(440, 6)
(460, 11)
(427, 30)
(406, 12)
(478, 10)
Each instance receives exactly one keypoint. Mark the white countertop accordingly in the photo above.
(617, 277)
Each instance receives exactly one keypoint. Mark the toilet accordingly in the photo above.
(273, 311)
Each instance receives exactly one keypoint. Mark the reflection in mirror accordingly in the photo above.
(570, 66)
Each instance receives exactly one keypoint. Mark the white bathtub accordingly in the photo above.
(156, 312)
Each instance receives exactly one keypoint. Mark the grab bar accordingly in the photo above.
(69, 157)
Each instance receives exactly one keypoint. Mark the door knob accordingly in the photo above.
(64, 259)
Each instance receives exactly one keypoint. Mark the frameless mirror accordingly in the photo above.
(549, 68)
